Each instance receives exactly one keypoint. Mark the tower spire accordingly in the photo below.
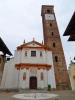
(24, 42)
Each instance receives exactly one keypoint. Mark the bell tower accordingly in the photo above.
(53, 41)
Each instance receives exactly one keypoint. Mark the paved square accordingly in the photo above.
(63, 95)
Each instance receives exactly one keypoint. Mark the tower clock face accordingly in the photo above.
(49, 17)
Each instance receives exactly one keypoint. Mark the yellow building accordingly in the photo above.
(72, 74)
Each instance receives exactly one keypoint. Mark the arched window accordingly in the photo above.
(25, 53)
(54, 44)
(24, 76)
(41, 75)
(56, 58)
(52, 33)
(48, 11)
(50, 24)
(40, 53)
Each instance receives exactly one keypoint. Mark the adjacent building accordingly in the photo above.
(71, 70)
(3, 51)
(70, 30)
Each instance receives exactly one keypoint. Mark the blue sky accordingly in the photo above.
(21, 19)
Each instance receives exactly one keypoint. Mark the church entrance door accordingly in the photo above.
(33, 83)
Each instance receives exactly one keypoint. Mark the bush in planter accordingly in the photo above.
(49, 87)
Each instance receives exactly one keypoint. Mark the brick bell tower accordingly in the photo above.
(53, 41)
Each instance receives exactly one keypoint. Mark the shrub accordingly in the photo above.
(49, 87)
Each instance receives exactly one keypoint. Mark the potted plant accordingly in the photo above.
(49, 87)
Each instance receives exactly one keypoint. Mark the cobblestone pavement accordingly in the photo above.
(62, 95)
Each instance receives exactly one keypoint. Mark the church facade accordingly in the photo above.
(31, 68)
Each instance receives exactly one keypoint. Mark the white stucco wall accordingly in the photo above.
(13, 78)
(41, 84)
(21, 58)
(10, 75)
(23, 83)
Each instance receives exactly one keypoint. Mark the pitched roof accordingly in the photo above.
(70, 30)
(35, 42)
(26, 45)
(4, 48)
(71, 38)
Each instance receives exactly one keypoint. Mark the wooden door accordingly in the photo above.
(33, 83)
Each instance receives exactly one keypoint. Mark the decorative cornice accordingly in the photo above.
(29, 65)
(30, 47)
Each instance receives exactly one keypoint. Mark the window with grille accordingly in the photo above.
(33, 53)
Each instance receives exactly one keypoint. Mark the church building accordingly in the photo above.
(31, 68)
(36, 65)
